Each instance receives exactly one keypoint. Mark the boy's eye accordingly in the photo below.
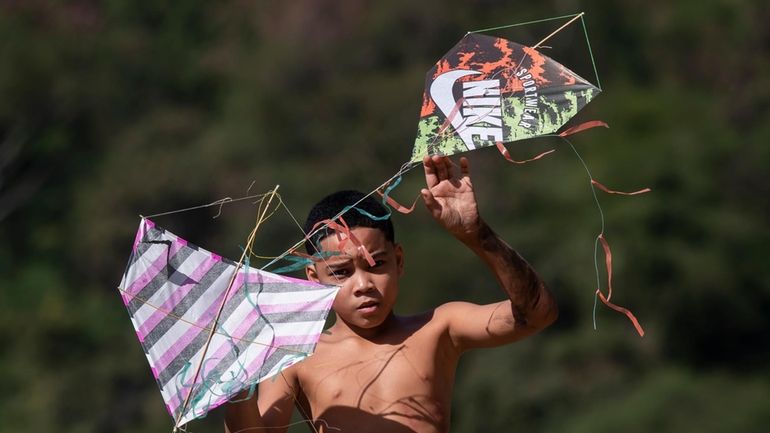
(339, 273)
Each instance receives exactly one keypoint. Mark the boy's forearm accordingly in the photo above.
(532, 303)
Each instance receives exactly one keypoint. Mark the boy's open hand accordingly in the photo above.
(449, 196)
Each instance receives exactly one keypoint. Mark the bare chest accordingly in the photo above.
(408, 383)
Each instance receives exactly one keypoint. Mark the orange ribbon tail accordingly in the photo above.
(606, 300)
(396, 205)
(343, 233)
(582, 127)
(504, 151)
(612, 191)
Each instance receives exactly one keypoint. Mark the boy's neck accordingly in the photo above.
(344, 329)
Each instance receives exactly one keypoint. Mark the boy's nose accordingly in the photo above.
(363, 283)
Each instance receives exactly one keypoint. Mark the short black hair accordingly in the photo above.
(360, 210)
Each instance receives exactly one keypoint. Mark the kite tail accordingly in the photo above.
(606, 300)
(600, 238)
(611, 191)
(504, 151)
(582, 127)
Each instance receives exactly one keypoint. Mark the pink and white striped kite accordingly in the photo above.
(174, 291)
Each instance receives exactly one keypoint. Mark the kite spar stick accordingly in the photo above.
(249, 242)
(580, 15)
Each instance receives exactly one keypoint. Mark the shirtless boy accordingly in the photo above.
(375, 371)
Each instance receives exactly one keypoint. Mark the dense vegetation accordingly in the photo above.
(117, 108)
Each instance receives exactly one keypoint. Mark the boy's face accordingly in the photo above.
(367, 293)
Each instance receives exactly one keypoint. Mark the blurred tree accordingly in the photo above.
(115, 108)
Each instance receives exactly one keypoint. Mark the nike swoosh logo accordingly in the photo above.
(441, 92)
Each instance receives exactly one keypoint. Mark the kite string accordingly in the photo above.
(306, 236)
(221, 202)
(263, 209)
(601, 231)
(525, 23)
(405, 168)
(574, 17)
(320, 255)
(591, 53)
(580, 15)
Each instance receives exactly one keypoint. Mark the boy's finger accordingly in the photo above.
(431, 178)
(441, 167)
(430, 201)
(450, 167)
(465, 166)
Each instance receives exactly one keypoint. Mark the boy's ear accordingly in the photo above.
(400, 259)
(312, 273)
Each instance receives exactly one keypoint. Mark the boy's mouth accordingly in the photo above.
(368, 307)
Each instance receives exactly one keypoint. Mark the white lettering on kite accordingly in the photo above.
(480, 118)
(531, 110)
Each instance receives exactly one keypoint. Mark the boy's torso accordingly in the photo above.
(402, 382)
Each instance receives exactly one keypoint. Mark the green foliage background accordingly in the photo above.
(117, 108)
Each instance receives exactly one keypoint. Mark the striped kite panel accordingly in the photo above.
(173, 291)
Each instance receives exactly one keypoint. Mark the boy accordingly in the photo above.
(378, 372)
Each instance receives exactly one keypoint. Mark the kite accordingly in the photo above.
(211, 327)
(488, 90)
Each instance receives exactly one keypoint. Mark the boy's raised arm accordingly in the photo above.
(530, 307)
